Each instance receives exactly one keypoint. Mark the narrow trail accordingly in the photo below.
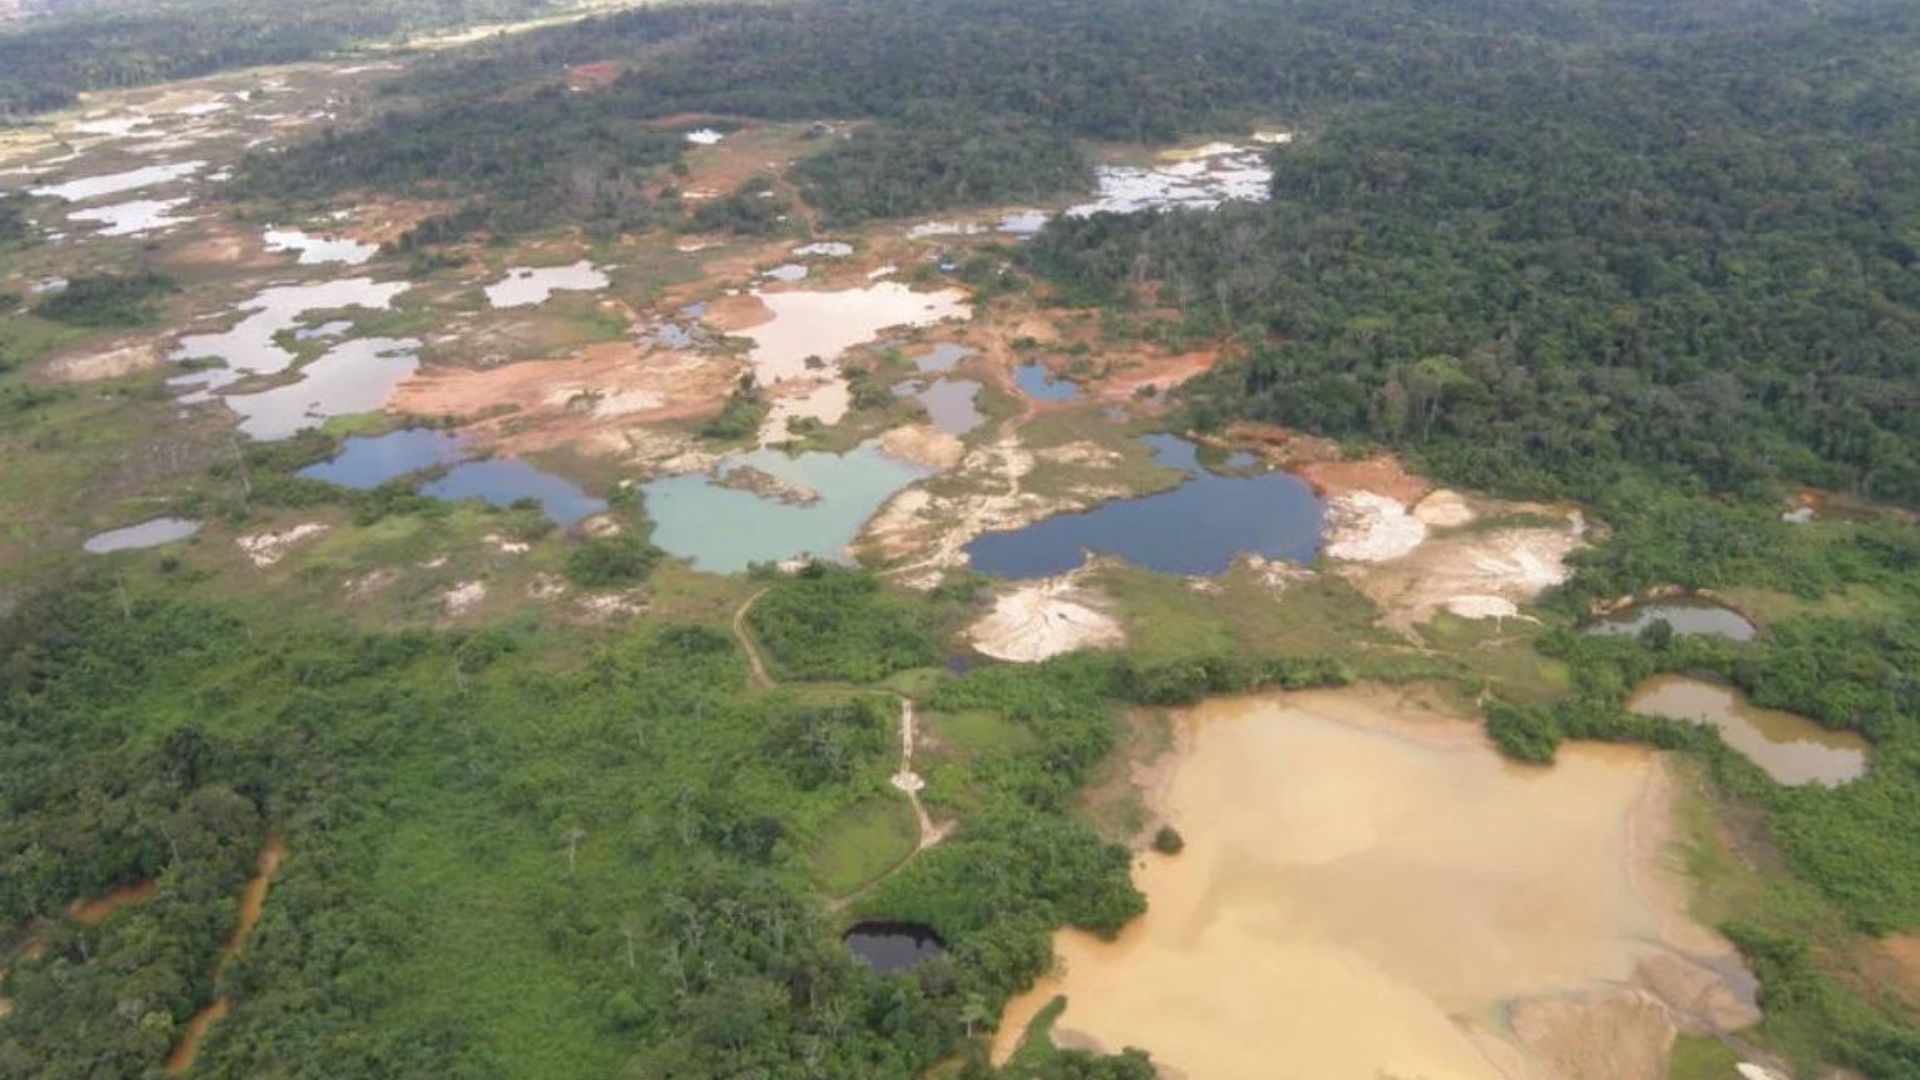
(911, 782)
(757, 672)
(908, 782)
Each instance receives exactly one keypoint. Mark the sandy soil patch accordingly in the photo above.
(586, 78)
(383, 221)
(112, 362)
(1383, 475)
(599, 607)
(1445, 509)
(1614, 1035)
(755, 150)
(463, 597)
(1364, 527)
(1046, 619)
(589, 400)
(936, 527)
(1154, 375)
(1037, 328)
(921, 444)
(741, 311)
(1903, 950)
(225, 248)
(766, 485)
(1084, 453)
(1482, 575)
(267, 548)
(365, 585)
(506, 545)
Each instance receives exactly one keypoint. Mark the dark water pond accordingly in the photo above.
(369, 462)
(1196, 528)
(1039, 384)
(891, 947)
(1687, 617)
(505, 481)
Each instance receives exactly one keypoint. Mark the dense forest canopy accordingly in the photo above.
(1659, 257)
(1702, 261)
(46, 62)
(1539, 242)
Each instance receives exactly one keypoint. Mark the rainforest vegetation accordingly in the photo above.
(1659, 258)
(48, 61)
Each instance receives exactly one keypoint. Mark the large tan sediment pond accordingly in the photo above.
(1369, 890)
(1790, 748)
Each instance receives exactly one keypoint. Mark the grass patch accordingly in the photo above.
(1700, 1057)
(864, 841)
(1500, 653)
(976, 733)
(1167, 618)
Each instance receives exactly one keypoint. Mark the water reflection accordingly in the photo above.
(147, 534)
(1196, 528)
(1792, 749)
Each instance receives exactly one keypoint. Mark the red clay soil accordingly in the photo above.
(586, 78)
(583, 401)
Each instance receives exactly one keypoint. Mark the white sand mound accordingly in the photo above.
(1364, 527)
(1043, 620)
(268, 548)
(109, 363)
(1483, 607)
(1444, 509)
(464, 596)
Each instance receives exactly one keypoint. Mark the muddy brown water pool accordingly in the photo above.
(1369, 892)
(1686, 617)
(1790, 748)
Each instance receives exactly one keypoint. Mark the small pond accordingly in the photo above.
(894, 947)
(505, 481)
(524, 286)
(825, 499)
(1687, 617)
(133, 218)
(1039, 383)
(1790, 748)
(941, 357)
(1196, 528)
(1025, 223)
(93, 187)
(315, 250)
(367, 462)
(248, 347)
(1202, 180)
(164, 530)
(949, 403)
(352, 377)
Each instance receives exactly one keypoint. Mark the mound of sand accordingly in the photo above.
(1364, 527)
(462, 597)
(1045, 619)
(268, 548)
(110, 363)
(922, 444)
(1473, 575)
(1444, 509)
